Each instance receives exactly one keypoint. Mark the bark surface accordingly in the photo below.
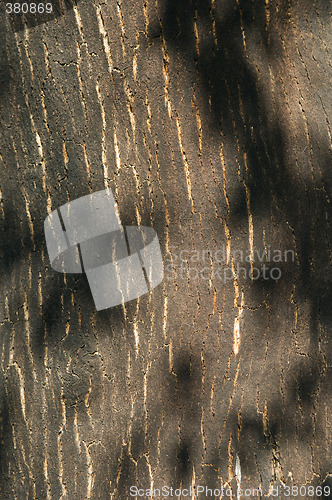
(210, 121)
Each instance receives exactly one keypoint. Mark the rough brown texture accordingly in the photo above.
(210, 121)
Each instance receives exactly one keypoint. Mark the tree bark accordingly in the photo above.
(210, 122)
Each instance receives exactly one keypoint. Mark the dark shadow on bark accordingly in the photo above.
(238, 108)
(183, 394)
(6, 445)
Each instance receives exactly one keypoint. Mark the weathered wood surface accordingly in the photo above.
(210, 121)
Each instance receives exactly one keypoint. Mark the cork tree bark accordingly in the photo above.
(210, 122)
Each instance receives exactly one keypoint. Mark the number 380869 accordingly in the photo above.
(29, 8)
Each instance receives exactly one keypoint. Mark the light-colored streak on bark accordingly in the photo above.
(47, 480)
(76, 431)
(22, 390)
(1, 200)
(212, 13)
(238, 475)
(103, 140)
(170, 355)
(148, 109)
(43, 164)
(230, 459)
(193, 483)
(185, 163)
(242, 27)
(223, 164)
(196, 33)
(135, 60)
(202, 407)
(117, 152)
(59, 444)
(250, 228)
(234, 389)
(165, 316)
(166, 76)
(150, 472)
(106, 43)
(136, 337)
(89, 470)
(145, 393)
(123, 32)
(237, 337)
(199, 125)
(130, 101)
